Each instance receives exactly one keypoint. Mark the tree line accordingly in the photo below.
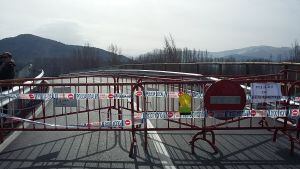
(80, 59)
(295, 52)
(172, 54)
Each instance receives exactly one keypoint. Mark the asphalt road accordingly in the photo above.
(166, 149)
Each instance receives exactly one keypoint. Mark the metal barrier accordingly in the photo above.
(143, 102)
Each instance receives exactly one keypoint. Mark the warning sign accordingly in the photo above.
(185, 104)
(265, 92)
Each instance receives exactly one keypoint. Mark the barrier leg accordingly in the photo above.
(119, 113)
(192, 142)
(292, 146)
(275, 135)
(213, 137)
(109, 114)
(298, 128)
(145, 135)
(291, 139)
(1, 131)
(263, 122)
(146, 141)
(133, 146)
(1, 136)
(203, 132)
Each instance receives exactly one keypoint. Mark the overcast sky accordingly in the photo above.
(138, 26)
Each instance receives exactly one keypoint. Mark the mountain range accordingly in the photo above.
(256, 53)
(28, 48)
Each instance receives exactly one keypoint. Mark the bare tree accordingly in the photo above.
(295, 52)
(171, 53)
(115, 51)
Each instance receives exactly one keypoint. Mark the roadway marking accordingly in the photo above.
(160, 148)
(16, 134)
(158, 144)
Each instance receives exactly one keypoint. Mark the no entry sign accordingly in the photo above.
(224, 95)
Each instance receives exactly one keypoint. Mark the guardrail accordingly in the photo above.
(217, 68)
(16, 89)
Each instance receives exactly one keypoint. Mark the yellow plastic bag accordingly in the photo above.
(185, 104)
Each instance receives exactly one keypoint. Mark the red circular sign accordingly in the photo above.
(170, 114)
(110, 96)
(253, 112)
(139, 93)
(295, 112)
(70, 96)
(224, 95)
(31, 96)
(127, 122)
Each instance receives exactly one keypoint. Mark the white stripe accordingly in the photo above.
(160, 148)
(16, 134)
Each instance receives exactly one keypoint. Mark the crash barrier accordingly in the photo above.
(98, 101)
(7, 88)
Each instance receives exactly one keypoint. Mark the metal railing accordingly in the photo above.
(144, 101)
(217, 68)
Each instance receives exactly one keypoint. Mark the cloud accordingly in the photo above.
(139, 26)
(69, 32)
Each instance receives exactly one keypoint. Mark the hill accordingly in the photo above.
(27, 49)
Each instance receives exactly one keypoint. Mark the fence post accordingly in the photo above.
(220, 69)
(247, 69)
(179, 65)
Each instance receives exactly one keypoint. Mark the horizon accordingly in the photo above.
(138, 27)
(147, 51)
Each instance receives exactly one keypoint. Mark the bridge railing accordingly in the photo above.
(217, 68)
(14, 89)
